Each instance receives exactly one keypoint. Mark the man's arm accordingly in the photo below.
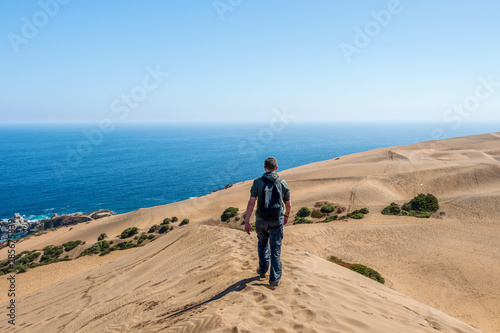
(250, 206)
(288, 208)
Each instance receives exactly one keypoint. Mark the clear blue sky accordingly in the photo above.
(241, 64)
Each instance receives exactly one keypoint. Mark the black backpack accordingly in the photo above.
(271, 200)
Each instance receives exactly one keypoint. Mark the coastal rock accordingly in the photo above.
(54, 216)
(100, 214)
(17, 218)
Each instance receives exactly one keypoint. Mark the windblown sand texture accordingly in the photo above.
(442, 274)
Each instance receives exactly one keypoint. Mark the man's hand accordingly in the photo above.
(285, 219)
(248, 227)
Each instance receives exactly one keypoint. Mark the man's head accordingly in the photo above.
(270, 164)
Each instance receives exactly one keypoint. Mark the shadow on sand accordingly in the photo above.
(238, 286)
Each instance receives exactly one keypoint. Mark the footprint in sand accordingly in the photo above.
(259, 297)
(305, 315)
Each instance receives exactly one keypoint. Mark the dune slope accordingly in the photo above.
(201, 280)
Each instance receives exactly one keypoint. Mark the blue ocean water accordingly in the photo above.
(67, 168)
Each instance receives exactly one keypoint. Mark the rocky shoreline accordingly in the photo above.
(21, 226)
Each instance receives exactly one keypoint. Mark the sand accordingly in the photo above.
(441, 273)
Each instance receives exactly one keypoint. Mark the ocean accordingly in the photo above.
(63, 169)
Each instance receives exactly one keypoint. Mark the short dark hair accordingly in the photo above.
(270, 163)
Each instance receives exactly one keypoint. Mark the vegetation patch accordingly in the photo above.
(361, 269)
(97, 248)
(51, 253)
(129, 232)
(163, 229)
(229, 213)
(420, 206)
(302, 220)
(330, 218)
(392, 209)
(304, 212)
(153, 228)
(327, 209)
(317, 214)
(71, 245)
(368, 272)
(184, 222)
(102, 236)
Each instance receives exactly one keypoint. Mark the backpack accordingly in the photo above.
(271, 200)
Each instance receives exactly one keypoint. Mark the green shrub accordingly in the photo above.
(167, 220)
(27, 258)
(364, 211)
(22, 269)
(357, 215)
(71, 245)
(317, 214)
(103, 253)
(237, 218)
(123, 246)
(151, 236)
(331, 218)
(51, 253)
(368, 272)
(153, 228)
(136, 237)
(327, 209)
(185, 221)
(304, 212)
(229, 213)
(344, 217)
(424, 203)
(98, 247)
(102, 236)
(175, 219)
(163, 229)
(302, 220)
(425, 215)
(406, 207)
(393, 209)
(129, 232)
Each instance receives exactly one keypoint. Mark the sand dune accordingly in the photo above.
(201, 278)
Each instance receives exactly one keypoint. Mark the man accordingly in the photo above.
(269, 230)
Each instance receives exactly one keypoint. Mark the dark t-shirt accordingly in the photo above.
(258, 186)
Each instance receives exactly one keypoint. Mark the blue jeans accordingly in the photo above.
(270, 234)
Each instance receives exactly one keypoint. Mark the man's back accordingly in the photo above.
(259, 184)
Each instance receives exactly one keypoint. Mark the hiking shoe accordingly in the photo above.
(262, 276)
(273, 286)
